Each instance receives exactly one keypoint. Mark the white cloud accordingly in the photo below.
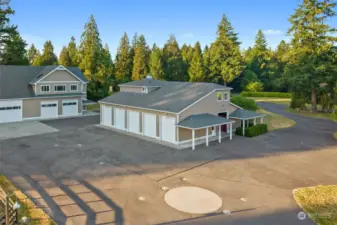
(188, 35)
(273, 32)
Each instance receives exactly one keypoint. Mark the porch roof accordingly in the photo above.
(202, 121)
(245, 114)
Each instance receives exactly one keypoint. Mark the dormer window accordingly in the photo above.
(144, 90)
(45, 88)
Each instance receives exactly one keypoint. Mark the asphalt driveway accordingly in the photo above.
(88, 175)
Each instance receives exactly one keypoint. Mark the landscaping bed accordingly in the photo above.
(319, 203)
(27, 208)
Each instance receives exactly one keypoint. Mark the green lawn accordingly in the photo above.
(93, 107)
(318, 115)
(319, 202)
(275, 121)
(283, 101)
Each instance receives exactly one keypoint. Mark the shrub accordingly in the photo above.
(238, 131)
(256, 130)
(254, 86)
(245, 103)
(297, 102)
(266, 94)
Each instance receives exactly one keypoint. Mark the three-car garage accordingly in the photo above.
(154, 125)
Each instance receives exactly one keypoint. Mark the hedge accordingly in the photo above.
(266, 94)
(245, 103)
(253, 130)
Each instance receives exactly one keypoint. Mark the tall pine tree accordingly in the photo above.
(33, 54)
(196, 69)
(6, 29)
(14, 52)
(90, 49)
(156, 63)
(225, 55)
(207, 63)
(48, 56)
(123, 62)
(312, 59)
(173, 64)
(73, 52)
(64, 58)
(140, 61)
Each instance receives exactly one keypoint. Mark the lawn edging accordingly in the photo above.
(27, 208)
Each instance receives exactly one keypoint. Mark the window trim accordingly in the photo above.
(223, 97)
(217, 96)
(65, 87)
(73, 90)
(45, 85)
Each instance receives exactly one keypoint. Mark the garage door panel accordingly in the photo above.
(49, 109)
(133, 121)
(70, 107)
(168, 129)
(150, 125)
(10, 111)
(120, 118)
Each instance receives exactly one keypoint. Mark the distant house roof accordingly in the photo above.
(244, 114)
(171, 96)
(202, 121)
(15, 80)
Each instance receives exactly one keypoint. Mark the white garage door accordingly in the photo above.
(106, 115)
(168, 129)
(133, 121)
(120, 118)
(49, 109)
(10, 111)
(70, 107)
(150, 125)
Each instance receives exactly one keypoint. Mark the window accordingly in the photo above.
(144, 90)
(59, 88)
(225, 96)
(219, 96)
(73, 87)
(48, 105)
(10, 108)
(69, 103)
(45, 88)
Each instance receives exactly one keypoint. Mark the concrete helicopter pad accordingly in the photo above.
(194, 200)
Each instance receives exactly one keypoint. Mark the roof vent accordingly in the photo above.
(149, 77)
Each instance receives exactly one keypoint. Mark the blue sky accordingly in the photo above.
(188, 20)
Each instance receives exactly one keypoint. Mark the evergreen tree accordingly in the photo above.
(73, 52)
(32, 54)
(187, 53)
(226, 59)
(7, 31)
(133, 47)
(140, 66)
(196, 70)
(90, 49)
(207, 63)
(156, 63)
(280, 59)
(15, 52)
(48, 56)
(173, 64)
(64, 58)
(312, 58)
(123, 60)
(105, 69)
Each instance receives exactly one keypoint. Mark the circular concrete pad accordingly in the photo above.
(193, 200)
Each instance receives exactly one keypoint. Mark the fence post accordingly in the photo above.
(7, 211)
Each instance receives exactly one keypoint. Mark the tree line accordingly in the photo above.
(306, 66)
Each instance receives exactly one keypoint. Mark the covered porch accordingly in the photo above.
(246, 116)
(207, 122)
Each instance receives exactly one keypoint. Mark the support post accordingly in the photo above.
(261, 119)
(206, 136)
(7, 219)
(254, 121)
(193, 134)
(230, 131)
(243, 127)
(219, 133)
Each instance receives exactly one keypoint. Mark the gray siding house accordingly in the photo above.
(40, 92)
(180, 114)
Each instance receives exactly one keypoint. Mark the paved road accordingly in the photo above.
(89, 175)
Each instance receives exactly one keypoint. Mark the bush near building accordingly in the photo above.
(253, 130)
(245, 103)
